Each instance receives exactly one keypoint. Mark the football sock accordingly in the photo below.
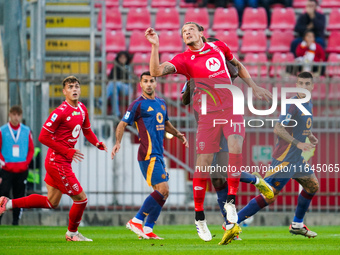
(75, 215)
(32, 201)
(199, 215)
(149, 203)
(231, 198)
(69, 233)
(147, 230)
(199, 184)
(297, 225)
(155, 210)
(303, 203)
(235, 161)
(254, 205)
(222, 195)
(248, 178)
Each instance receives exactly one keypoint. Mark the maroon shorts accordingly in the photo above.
(212, 125)
(61, 177)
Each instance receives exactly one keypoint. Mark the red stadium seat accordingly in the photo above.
(135, 3)
(110, 57)
(198, 15)
(334, 59)
(280, 41)
(330, 4)
(183, 4)
(163, 3)
(254, 19)
(230, 38)
(334, 42)
(254, 41)
(167, 19)
(299, 3)
(173, 86)
(138, 18)
(334, 20)
(108, 3)
(141, 63)
(113, 19)
(138, 43)
(256, 70)
(319, 91)
(334, 89)
(282, 19)
(166, 56)
(170, 41)
(115, 41)
(277, 70)
(222, 23)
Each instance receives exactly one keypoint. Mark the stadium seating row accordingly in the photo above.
(169, 19)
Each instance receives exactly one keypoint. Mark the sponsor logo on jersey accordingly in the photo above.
(75, 113)
(76, 131)
(192, 57)
(213, 64)
(48, 124)
(201, 145)
(203, 52)
(150, 109)
(198, 188)
(54, 117)
(127, 115)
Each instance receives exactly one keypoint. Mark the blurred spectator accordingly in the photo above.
(119, 80)
(241, 4)
(310, 20)
(308, 51)
(267, 3)
(217, 3)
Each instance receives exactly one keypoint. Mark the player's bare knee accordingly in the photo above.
(217, 182)
(54, 204)
(272, 200)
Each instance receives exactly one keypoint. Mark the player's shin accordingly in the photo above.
(234, 174)
(254, 205)
(199, 184)
(75, 215)
(155, 212)
(222, 195)
(304, 201)
(31, 201)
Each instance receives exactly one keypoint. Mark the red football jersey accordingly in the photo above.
(208, 67)
(64, 124)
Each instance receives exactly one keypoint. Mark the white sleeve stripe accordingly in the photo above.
(87, 127)
(48, 130)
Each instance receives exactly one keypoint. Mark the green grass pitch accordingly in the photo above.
(178, 240)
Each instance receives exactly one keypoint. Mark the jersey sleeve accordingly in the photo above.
(166, 118)
(53, 121)
(290, 112)
(131, 114)
(179, 63)
(86, 123)
(226, 50)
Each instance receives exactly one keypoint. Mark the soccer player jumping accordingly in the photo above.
(206, 63)
(150, 115)
(60, 133)
(288, 163)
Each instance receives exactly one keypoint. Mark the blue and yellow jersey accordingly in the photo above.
(150, 116)
(285, 151)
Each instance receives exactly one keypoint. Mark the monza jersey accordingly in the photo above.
(150, 116)
(65, 123)
(208, 67)
(285, 151)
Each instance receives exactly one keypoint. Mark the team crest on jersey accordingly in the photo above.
(203, 52)
(76, 131)
(201, 145)
(192, 57)
(54, 117)
(159, 117)
(213, 64)
(74, 113)
(276, 184)
(48, 124)
(163, 107)
(75, 187)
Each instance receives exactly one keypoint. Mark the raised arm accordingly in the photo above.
(157, 69)
(282, 132)
(172, 130)
(245, 76)
(119, 135)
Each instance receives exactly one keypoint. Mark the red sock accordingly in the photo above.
(75, 215)
(235, 163)
(32, 201)
(199, 184)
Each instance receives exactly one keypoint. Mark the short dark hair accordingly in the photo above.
(212, 39)
(315, 1)
(199, 27)
(305, 75)
(16, 109)
(145, 73)
(70, 79)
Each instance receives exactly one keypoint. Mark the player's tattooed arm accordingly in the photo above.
(282, 133)
(167, 68)
(259, 92)
(119, 135)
